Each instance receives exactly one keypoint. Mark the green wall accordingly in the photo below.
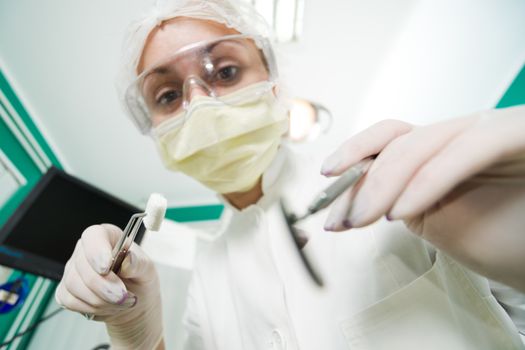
(11, 145)
(515, 94)
(197, 213)
(26, 148)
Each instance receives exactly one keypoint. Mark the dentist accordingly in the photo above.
(201, 79)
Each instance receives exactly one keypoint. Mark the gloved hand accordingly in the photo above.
(460, 184)
(129, 303)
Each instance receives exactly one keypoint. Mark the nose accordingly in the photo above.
(194, 86)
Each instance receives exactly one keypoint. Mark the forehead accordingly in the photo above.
(176, 33)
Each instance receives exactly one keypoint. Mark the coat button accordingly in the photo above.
(278, 342)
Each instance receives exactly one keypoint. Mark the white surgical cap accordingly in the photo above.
(234, 14)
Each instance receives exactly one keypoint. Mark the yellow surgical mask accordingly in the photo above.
(226, 145)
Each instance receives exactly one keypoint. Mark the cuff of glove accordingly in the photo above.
(144, 332)
(141, 340)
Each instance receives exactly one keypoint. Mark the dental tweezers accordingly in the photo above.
(124, 244)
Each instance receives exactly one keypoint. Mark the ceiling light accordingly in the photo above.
(308, 120)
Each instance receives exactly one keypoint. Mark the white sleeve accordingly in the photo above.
(513, 301)
(191, 320)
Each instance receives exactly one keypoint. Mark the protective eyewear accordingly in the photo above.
(215, 68)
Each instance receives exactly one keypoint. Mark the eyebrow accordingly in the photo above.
(207, 49)
(159, 70)
(212, 46)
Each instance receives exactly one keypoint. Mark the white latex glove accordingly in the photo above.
(460, 184)
(129, 303)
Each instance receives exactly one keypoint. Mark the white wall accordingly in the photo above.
(420, 61)
(343, 44)
(454, 57)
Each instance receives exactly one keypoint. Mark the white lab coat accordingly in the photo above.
(385, 287)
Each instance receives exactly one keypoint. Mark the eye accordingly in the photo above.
(227, 74)
(168, 97)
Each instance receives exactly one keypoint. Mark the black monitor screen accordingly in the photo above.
(41, 235)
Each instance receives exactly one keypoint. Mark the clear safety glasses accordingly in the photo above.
(215, 68)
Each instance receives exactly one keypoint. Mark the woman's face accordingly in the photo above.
(235, 64)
